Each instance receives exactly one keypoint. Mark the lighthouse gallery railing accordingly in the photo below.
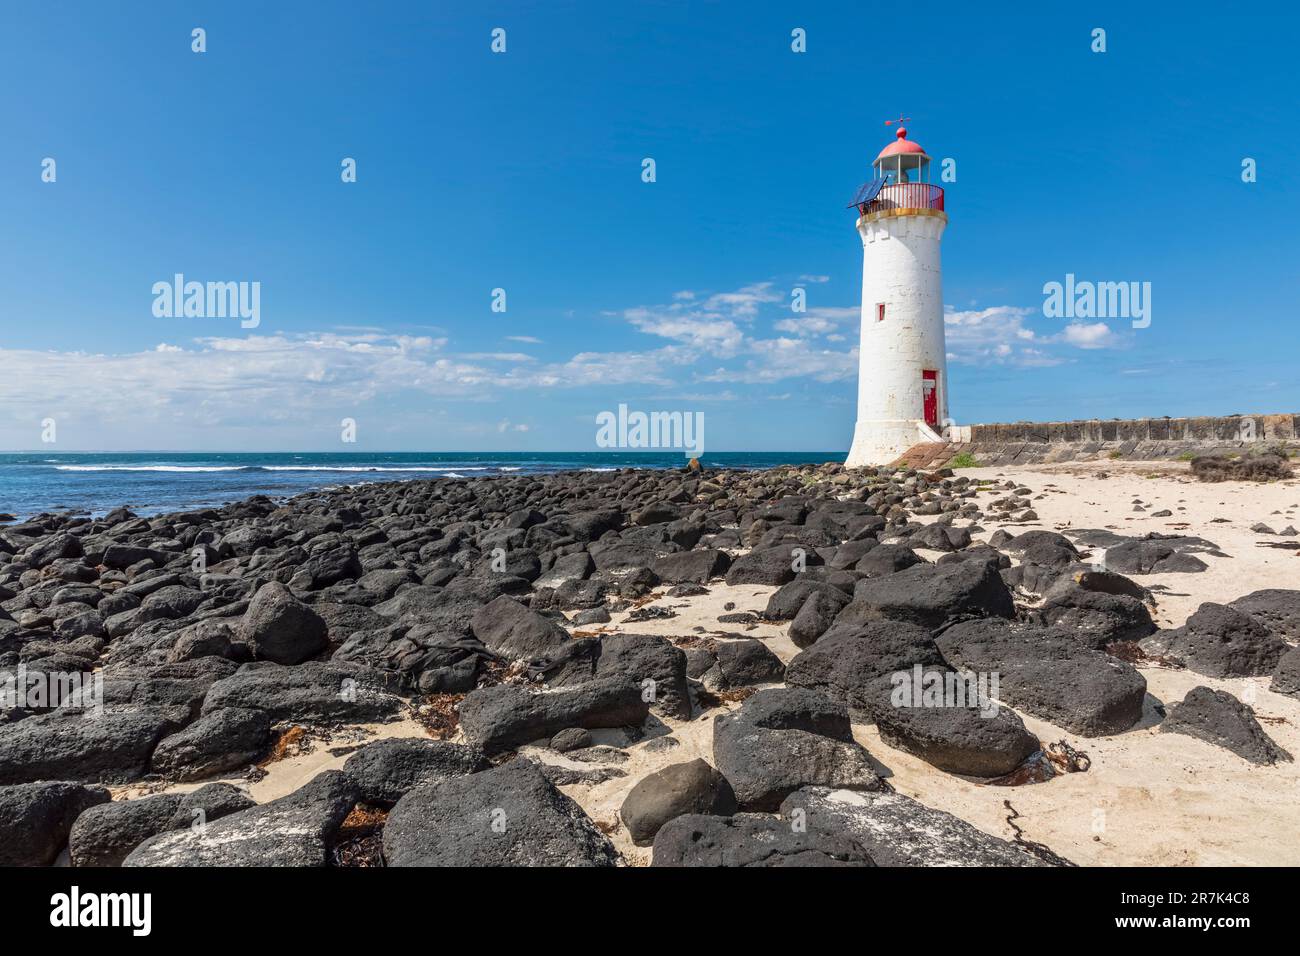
(905, 196)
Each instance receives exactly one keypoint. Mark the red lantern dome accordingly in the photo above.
(901, 146)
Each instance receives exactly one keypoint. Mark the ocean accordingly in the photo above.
(156, 482)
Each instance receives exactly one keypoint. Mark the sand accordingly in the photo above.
(1148, 799)
(1072, 496)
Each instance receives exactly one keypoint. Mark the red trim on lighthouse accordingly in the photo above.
(930, 395)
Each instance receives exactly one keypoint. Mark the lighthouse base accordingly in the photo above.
(881, 443)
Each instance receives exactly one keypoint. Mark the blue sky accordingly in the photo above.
(522, 171)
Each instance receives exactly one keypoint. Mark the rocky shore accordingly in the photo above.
(675, 668)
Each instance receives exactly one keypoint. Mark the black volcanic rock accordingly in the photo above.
(1050, 674)
(296, 830)
(105, 834)
(782, 739)
(280, 628)
(896, 830)
(508, 816)
(508, 628)
(1151, 557)
(35, 819)
(1220, 641)
(113, 747)
(387, 770)
(930, 595)
(752, 840)
(771, 566)
(697, 567)
(227, 738)
(454, 600)
(692, 787)
(963, 730)
(503, 717)
(1217, 717)
(1277, 609)
(317, 691)
(848, 660)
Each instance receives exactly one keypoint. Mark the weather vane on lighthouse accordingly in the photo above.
(902, 368)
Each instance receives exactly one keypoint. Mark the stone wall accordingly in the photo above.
(1242, 429)
(1139, 439)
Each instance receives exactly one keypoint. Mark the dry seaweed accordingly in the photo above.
(438, 714)
(1039, 850)
(360, 842)
(1066, 759)
(1130, 652)
(292, 742)
(709, 699)
(1042, 765)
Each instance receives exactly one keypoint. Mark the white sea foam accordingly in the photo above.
(443, 469)
(180, 468)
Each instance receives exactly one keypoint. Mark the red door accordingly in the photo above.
(930, 393)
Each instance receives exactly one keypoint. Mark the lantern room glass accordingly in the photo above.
(904, 168)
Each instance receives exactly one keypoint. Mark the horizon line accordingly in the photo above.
(616, 451)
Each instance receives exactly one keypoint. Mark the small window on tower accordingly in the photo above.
(880, 311)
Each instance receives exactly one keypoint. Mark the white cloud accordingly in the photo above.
(525, 339)
(498, 357)
(711, 322)
(994, 336)
(819, 321)
(1000, 336)
(717, 335)
(222, 377)
(714, 326)
(279, 390)
(724, 396)
(1096, 335)
(744, 302)
(601, 369)
(239, 385)
(772, 360)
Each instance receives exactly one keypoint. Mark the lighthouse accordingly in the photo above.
(902, 371)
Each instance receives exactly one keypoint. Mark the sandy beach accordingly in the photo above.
(1147, 799)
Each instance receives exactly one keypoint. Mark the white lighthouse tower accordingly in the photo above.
(902, 372)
